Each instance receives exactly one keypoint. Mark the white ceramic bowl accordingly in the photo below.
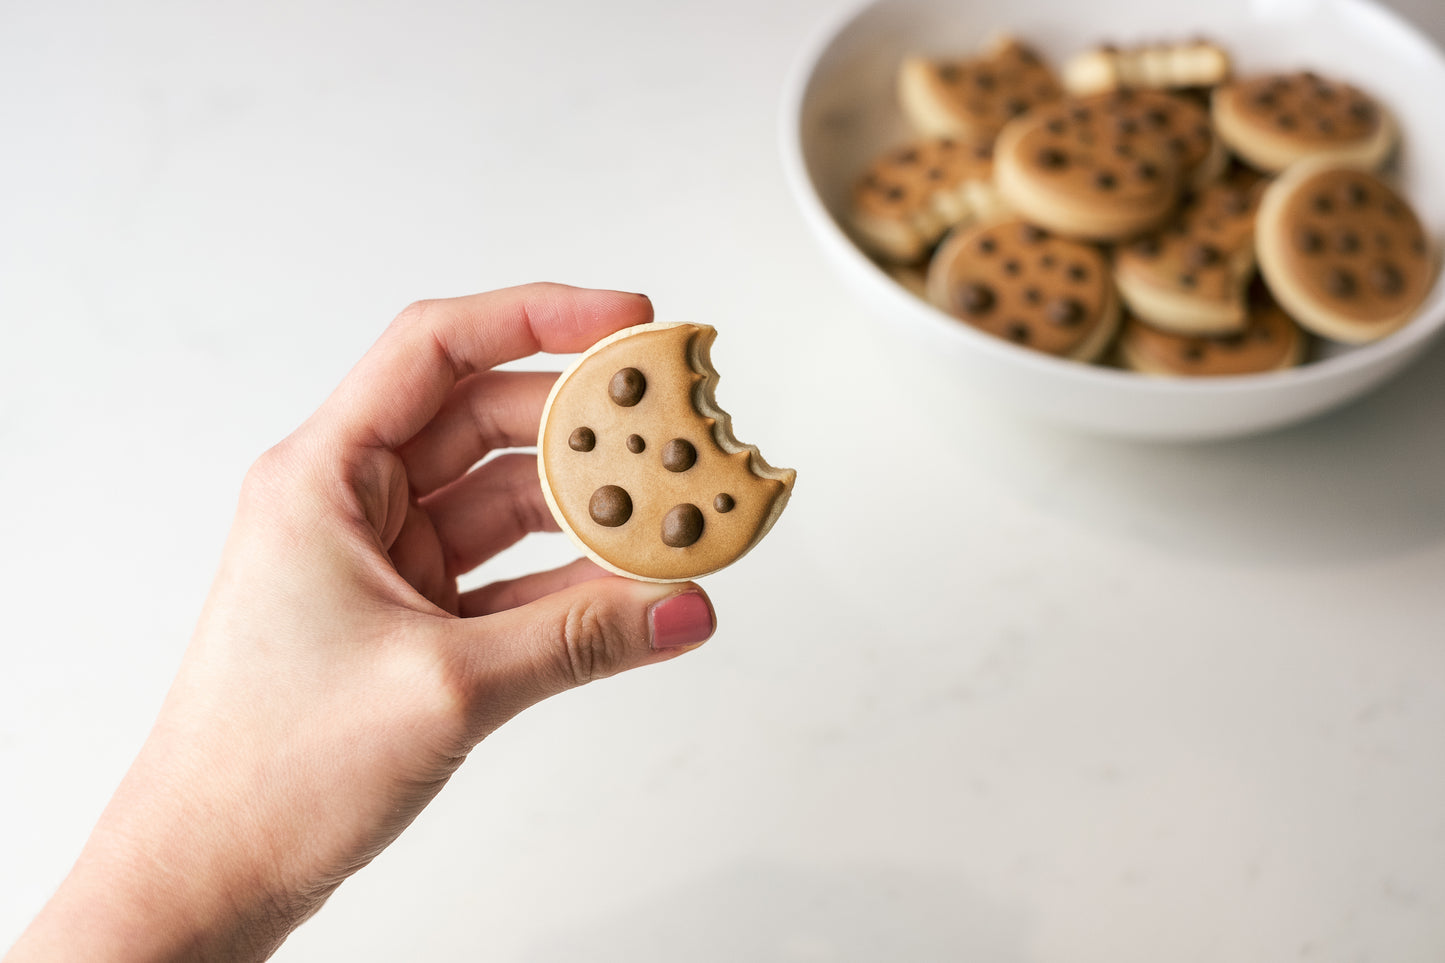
(840, 111)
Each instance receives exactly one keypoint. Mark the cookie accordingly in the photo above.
(1269, 341)
(1342, 251)
(1105, 167)
(1160, 66)
(1191, 277)
(972, 99)
(911, 196)
(640, 466)
(1018, 282)
(1274, 120)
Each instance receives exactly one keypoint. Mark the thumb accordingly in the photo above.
(591, 630)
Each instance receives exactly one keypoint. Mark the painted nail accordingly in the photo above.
(682, 619)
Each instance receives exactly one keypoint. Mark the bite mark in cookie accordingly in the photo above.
(640, 467)
(972, 99)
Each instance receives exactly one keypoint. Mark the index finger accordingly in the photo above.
(403, 380)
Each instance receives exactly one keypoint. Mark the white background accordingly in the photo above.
(990, 691)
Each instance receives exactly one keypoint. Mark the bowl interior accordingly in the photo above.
(842, 112)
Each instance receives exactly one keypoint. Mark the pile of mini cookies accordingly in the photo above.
(1146, 208)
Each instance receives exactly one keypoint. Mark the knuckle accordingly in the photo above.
(592, 644)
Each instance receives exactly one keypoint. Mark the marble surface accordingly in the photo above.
(990, 690)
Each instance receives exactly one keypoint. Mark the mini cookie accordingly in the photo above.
(972, 99)
(1160, 66)
(1105, 167)
(1342, 252)
(1191, 277)
(1271, 121)
(639, 465)
(911, 196)
(1019, 283)
(1269, 341)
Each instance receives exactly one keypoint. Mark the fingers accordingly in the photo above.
(500, 596)
(487, 510)
(598, 628)
(487, 411)
(403, 381)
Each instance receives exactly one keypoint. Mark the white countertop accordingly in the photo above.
(989, 691)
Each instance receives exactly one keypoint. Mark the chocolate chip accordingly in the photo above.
(1347, 242)
(635, 444)
(1341, 283)
(678, 455)
(1417, 246)
(1202, 255)
(935, 174)
(1193, 352)
(1052, 159)
(1362, 111)
(1322, 204)
(1146, 247)
(1030, 234)
(1178, 145)
(896, 193)
(1286, 122)
(1264, 100)
(1232, 342)
(1033, 295)
(906, 156)
(1356, 194)
(1105, 180)
(985, 80)
(1188, 280)
(583, 439)
(682, 525)
(1146, 171)
(627, 387)
(1309, 241)
(948, 73)
(1324, 125)
(1015, 106)
(1048, 261)
(1065, 312)
(1080, 114)
(1126, 125)
(987, 245)
(1386, 278)
(1017, 331)
(723, 503)
(1078, 272)
(1156, 117)
(1056, 126)
(1012, 267)
(610, 506)
(976, 298)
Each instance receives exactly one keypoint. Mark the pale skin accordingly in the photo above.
(337, 678)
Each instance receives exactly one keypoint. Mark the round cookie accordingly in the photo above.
(1017, 282)
(972, 99)
(1105, 167)
(1272, 121)
(1342, 251)
(1269, 341)
(1191, 277)
(640, 467)
(912, 195)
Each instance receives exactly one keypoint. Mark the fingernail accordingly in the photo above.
(682, 619)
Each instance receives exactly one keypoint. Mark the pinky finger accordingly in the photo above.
(500, 596)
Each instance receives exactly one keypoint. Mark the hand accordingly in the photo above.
(337, 678)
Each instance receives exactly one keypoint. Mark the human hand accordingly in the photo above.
(337, 678)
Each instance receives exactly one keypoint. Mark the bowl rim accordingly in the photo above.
(1401, 344)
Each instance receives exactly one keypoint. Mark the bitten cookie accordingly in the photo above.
(1191, 277)
(971, 99)
(1269, 341)
(1019, 283)
(1342, 251)
(1161, 66)
(1105, 167)
(1274, 120)
(640, 466)
(909, 197)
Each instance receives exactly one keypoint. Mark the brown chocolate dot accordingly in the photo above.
(935, 174)
(583, 439)
(1324, 125)
(1017, 331)
(1012, 267)
(1192, 352)
(1156, 117)
(1105, 180)
(723, 503)
(1188, 280)
(627, 387)
(678, 455)
(1146, 247)
(1264, 100)
(1048, 261)
(1362, 111)
(987, 245)
(1030, 234)
(948, 73)
(682, 525)
(985, 80)
(1286, 122)
(1126, 125)
(1015, 106)
(896, 193)
(908, 155)
(1231, 342)
(1309, 241)
(1202, 255)
(636, 444)
(1386, 278)
(1322, 204)
(1052, 159)
(1341, 283)
(1356, 194)
(1056, 126)
(1347, 242)
(1033, 295)
(1065, 312)
(1146, 171)
(975, 297)
(610, 506)
(1078, 273)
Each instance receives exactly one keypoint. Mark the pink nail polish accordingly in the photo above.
(683, 619)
